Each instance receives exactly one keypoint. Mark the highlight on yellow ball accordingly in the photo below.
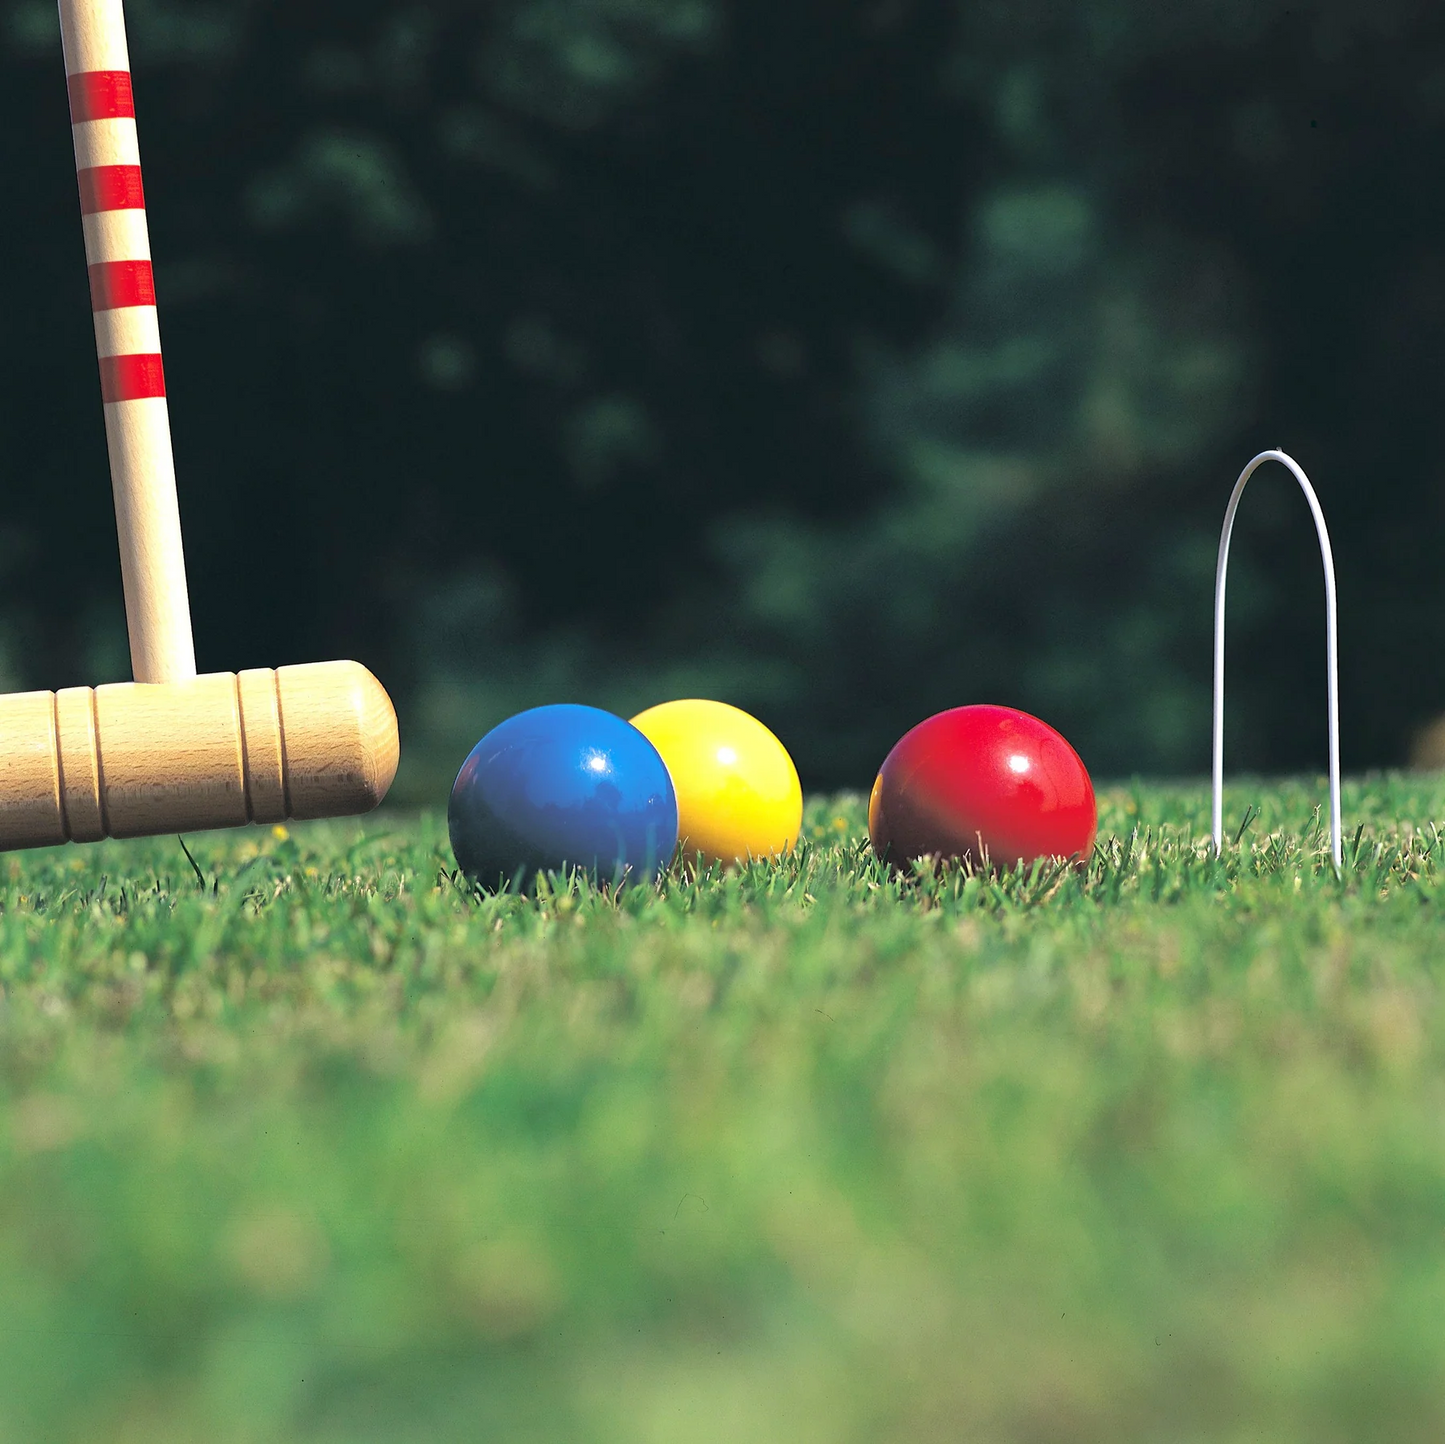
(738, 794)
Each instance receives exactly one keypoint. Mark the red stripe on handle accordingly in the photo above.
(131, 378)
(100, 95)
(110, 188)
(114, 284)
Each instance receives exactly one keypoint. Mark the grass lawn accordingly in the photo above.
(325, 1148)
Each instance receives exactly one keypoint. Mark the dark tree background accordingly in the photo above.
(843, 360)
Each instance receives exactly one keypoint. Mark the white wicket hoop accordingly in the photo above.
(1332, 646)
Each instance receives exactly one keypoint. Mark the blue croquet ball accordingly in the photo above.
(562, 787)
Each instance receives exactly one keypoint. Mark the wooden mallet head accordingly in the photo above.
(170, 751)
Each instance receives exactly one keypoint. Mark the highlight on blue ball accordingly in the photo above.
(563, 787)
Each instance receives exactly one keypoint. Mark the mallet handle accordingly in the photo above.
(127, 338)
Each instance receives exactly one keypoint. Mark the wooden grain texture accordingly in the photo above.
(30, 810)
(135, 759)
(92, 33)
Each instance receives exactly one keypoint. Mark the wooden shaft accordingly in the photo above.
(133, 760)
(127, 338)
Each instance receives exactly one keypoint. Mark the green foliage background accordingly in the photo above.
(844, 360)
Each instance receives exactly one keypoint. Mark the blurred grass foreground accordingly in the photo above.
(315, 1144)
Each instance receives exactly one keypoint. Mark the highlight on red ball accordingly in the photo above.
(985, 784)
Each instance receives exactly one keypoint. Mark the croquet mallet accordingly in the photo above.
(170, 751)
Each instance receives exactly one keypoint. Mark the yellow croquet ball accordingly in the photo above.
(737, 789)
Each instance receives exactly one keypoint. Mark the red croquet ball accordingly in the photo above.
(978, 780)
